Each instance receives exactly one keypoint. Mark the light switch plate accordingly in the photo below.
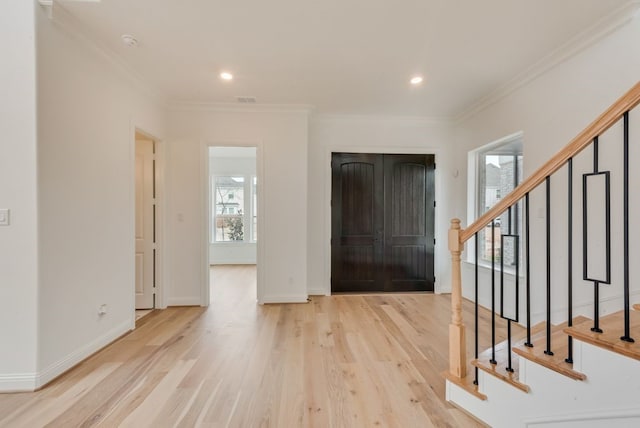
(4, 217)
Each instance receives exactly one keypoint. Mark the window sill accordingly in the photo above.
(233, 243)
(487, 267)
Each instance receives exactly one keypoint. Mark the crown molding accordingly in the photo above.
(235, 108)
(48, 6)
(586, 38)
(62, 18)
(422, 120)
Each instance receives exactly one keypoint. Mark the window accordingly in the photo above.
(234, 216)
(498, 171)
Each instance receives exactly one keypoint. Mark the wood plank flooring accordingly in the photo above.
(340, 361)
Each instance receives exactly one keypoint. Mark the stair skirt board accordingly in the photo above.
(554, 399)
(617, 418)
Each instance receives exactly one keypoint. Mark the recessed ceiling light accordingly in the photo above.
(225, 75)
(129, 40)
(416, 80)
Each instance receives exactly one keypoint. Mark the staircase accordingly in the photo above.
(584, 371)
(545, 391)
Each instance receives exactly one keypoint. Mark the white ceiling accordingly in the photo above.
(341, 56)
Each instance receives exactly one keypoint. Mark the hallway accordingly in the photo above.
(352, 361)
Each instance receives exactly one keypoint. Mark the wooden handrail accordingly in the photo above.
(458, 236)
(627, 102)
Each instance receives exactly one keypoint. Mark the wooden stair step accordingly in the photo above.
(612, 326)
(559, 347)
(636, 306)
(499, 370)
(466, 383)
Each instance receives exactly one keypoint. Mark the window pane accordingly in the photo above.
(229, 201)
(499, 172)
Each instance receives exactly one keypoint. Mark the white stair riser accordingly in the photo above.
(610, 393)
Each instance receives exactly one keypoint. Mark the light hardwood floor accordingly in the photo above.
(340, 361)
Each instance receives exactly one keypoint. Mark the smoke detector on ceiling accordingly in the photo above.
(246, 100)
(129, 40)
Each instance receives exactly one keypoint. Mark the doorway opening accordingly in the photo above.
(382, 222)
(146, 220)
(232, 239)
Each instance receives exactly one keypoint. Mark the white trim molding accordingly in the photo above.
(590, 419)
(242, 108)
(73, 26)
(184, 301)
(22, 382)
(206, 214)
(288, 298)
(59, 367)
(17, 382)
(581, 41)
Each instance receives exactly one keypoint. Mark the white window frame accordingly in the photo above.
(473, 186)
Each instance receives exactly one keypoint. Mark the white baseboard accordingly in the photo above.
(56, 369)
(222, 261)
(21, 382)
(291, 298)
(317, 292)
(17, 382)
(184, 301)
(627, 417)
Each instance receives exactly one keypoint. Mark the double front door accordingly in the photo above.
(382, 221)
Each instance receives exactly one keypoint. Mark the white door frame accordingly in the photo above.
(205, 228)
(160, 265)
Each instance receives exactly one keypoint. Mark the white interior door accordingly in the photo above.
(144, 225)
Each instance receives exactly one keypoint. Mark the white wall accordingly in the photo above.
(551, 110)
(375, 135)
(281, 138)
(88, 109)
(18, 242)
(232, 252)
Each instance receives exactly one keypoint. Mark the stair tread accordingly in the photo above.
(559, 347)
(613, 327)
(499, 370)
(465, 383)
(636, 306)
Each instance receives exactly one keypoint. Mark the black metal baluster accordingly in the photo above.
(515, 184)
(627, 334)
(596, 284)
(569, 358)
(528, 272)
(493, 294)
(517, 308)
(475, 381)
(548, 186)
(509, 368)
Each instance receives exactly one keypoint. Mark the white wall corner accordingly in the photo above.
(56, 369)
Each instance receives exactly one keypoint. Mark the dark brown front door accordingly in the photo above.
(382, 222)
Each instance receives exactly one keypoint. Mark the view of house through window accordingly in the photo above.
(499, 171)
(235, 216)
